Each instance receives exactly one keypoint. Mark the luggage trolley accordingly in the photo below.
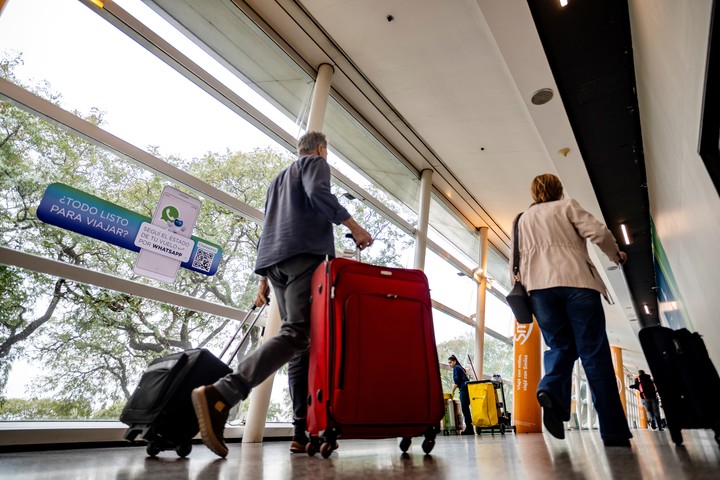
(488, 406)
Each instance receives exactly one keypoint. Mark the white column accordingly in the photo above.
(320, 95)
(578, 401)
(590, 407)
(481, 277)
(423, 216)
(260, 398)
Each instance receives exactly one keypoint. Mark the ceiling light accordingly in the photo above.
(542, 96)
(647, 309)
(563, 3)
(625, 234)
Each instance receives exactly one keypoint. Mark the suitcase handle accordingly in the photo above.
(237, 331)
(357, 249)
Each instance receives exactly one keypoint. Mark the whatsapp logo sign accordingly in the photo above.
(170, 214)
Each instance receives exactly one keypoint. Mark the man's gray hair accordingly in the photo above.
(309, 142)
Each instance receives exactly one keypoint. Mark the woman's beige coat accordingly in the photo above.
(553, 247)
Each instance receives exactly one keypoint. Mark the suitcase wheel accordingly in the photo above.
(326, 449)
(428, 445)
(152, 449)
(405, 444)
(183, 450)
(313, 446)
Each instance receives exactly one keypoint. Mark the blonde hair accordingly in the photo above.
(546, 188)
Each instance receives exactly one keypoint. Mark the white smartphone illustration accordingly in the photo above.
(177, 213)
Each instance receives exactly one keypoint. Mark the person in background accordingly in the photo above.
(648, 396)
(565, 293)
(297, 236)
(460, 379)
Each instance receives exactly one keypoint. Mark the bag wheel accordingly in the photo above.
(428, 445)
(183, 450)
(152, 449)
(405, 444)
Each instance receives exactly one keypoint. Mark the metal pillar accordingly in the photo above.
(481, 277)
(577, 385)
(321, 93)
(260, 399)
(423, 217)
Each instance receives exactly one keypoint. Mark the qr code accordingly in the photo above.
(204, 257)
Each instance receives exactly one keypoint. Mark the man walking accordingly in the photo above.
(297, 236)
(648, 396)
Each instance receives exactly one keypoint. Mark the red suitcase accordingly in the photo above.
(367, 322)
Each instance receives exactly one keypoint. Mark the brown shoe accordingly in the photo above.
(212, 413)
(298, 444)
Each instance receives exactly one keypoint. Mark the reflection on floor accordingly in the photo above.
(522, 456)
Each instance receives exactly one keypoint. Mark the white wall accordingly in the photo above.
(670, 39)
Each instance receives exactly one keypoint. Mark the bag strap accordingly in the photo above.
(516, 249)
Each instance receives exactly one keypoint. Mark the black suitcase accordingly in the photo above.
(685, 377)
(160, 409)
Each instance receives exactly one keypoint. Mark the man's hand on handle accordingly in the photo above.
(362, 237)
(263, 292)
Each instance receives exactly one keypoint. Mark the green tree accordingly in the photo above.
(44, 409)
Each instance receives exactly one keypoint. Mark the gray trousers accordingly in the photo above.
(291, 281)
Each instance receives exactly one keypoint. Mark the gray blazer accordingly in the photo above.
(553, 246)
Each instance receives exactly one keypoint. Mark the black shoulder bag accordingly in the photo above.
(518, 298)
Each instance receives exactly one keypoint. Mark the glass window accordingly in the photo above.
(90, 345)
(233, 47)
(366, 161)
(176, 122)
(160, 110)
(392, 247)
(39, 156)
(453, 338)
(447, 226)
(449, 286)
(498, 316)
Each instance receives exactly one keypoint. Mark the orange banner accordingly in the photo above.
(617, 359)
(527, 414)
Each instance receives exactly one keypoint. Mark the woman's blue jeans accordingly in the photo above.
(572, 322)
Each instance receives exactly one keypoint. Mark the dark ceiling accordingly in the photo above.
(589, 47)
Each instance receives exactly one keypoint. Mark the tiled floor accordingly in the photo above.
(523, 456)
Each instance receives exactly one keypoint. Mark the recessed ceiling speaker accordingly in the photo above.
(542, 96)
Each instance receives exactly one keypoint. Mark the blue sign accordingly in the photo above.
(86, 214)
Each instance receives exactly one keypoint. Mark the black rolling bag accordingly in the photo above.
(685, 377)
(160, 408)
